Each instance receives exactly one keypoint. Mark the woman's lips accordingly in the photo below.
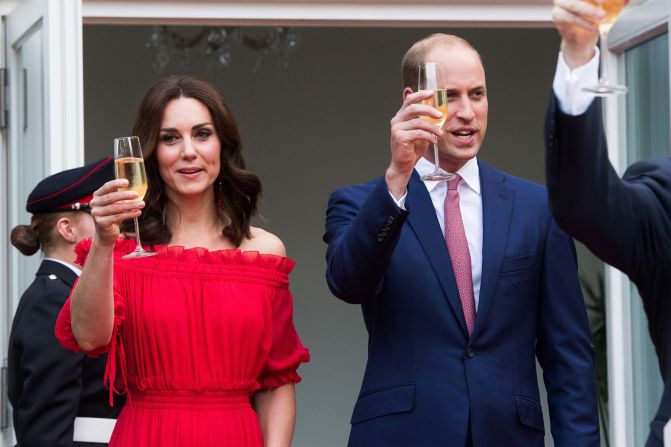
(189, 172)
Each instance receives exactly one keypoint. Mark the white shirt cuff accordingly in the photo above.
(568, 84)
(400, 202)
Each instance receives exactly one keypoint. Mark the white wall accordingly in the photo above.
(320, 124)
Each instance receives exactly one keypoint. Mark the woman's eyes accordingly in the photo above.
(201, 134)
(168, 138)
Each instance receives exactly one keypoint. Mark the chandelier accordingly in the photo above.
(216, 43)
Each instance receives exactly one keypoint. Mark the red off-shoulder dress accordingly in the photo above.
(196, 332)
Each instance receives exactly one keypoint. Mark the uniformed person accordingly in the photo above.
(58, 396)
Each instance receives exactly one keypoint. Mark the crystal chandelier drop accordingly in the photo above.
(216, 44)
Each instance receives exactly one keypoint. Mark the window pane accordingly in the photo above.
(647, 74)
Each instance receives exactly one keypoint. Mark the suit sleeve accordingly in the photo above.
(362, 229)
(564, 347)
(614, 218)
(52, 382)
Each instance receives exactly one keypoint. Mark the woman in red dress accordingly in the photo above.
(201, 335)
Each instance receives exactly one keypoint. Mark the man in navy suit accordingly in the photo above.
(625, 221)
(454, 333)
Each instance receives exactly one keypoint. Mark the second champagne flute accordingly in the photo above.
(432, 77)
(612, 8)
(129, 164)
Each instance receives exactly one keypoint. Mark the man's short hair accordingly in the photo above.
(417, 52)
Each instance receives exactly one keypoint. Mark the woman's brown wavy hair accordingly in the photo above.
(236, 190)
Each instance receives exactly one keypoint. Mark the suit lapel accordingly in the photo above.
(422, 219)
(497, 207)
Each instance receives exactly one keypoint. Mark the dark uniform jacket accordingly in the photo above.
(625, 221)
(48, 385)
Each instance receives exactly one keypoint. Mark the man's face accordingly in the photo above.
(466, 122)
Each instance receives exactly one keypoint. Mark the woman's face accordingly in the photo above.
(188, 149)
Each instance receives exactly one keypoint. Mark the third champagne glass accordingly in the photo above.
(129, 164)
(612, 8)
(432, 77)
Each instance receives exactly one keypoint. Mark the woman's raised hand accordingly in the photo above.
(110, 207)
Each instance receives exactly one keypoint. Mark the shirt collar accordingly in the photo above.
(70, 266)
(470, 174)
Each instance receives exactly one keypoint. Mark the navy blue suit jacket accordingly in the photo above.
(426, 381)
(626, 222)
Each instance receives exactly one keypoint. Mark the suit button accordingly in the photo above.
(390, 220)
(470, 353)
(380, 237)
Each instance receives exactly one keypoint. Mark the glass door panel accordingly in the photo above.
(647, 74)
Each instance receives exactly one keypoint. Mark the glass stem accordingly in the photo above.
(603, 36)
(435, 158)
(138, 244)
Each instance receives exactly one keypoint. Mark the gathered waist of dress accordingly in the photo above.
(190, 400)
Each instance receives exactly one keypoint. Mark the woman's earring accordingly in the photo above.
(219, 192)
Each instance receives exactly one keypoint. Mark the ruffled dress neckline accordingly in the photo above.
(192, 256)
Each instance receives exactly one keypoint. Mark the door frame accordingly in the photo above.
(638, 24)
(481, 13)
(60, 25)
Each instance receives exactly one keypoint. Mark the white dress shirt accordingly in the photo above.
(470, 204)
(568, 83)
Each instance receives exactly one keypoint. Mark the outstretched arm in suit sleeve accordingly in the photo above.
(585, 192)
(52, 382)
(619, 220)
(363, 225)
(564, 347)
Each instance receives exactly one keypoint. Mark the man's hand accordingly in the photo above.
(410, 136)
(578, 24)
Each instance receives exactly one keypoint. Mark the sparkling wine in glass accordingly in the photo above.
(432, 77)
(129, 164)
(612, 9)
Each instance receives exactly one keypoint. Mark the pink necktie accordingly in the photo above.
(455, 237)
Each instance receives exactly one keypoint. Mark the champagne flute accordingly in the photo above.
(129, 164)
(612, 9)
(432, 77)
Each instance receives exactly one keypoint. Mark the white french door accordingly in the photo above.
(43, 133)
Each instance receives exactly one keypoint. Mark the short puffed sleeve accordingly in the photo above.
(287, 351)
